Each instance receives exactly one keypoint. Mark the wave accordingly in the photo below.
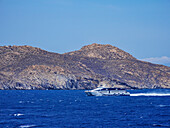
(150, 94)
(160, 125)
(161, 105)
(27, 126)
(18, 114)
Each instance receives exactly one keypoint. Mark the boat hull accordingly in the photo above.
(95, 93)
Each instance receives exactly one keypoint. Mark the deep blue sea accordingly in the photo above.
(73, 109)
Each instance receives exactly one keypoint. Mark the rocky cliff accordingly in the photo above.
(26, 67)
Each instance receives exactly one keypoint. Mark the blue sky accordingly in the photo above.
(140, 27)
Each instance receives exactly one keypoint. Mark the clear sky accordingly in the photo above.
(140, 27)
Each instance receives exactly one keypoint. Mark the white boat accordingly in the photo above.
(107, 92)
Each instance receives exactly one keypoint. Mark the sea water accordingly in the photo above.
(73, 109)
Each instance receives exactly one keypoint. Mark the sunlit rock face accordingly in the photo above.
(102, 52)
(26, 67)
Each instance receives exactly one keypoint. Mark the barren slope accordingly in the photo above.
(26, 67)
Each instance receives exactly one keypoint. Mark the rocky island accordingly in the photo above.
(26, 67)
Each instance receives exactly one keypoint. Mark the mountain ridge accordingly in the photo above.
(102, 51)
(27, 67)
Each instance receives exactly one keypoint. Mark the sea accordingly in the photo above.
(147, 108)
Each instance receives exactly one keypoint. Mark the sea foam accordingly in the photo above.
(18, 114)
(150, 94)
(27, 126)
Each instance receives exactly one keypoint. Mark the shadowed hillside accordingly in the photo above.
(26, 67)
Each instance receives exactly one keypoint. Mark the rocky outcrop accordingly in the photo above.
(26, 67)
(100, 51)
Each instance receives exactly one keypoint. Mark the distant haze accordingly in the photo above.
(139, 27)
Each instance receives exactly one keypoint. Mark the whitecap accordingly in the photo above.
(18, 114)
(20, 102)
(60, 100)
(161, 105)
(27, 126)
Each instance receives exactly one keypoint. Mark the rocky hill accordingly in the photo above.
(100, 51)
(26, 67)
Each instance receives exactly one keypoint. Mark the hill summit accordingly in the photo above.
(26, 67)
(102, 52)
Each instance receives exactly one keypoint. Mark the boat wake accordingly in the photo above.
(150, 94)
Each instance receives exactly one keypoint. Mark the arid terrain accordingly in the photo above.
(26, 67)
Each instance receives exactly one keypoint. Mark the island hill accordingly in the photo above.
(26, 67)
